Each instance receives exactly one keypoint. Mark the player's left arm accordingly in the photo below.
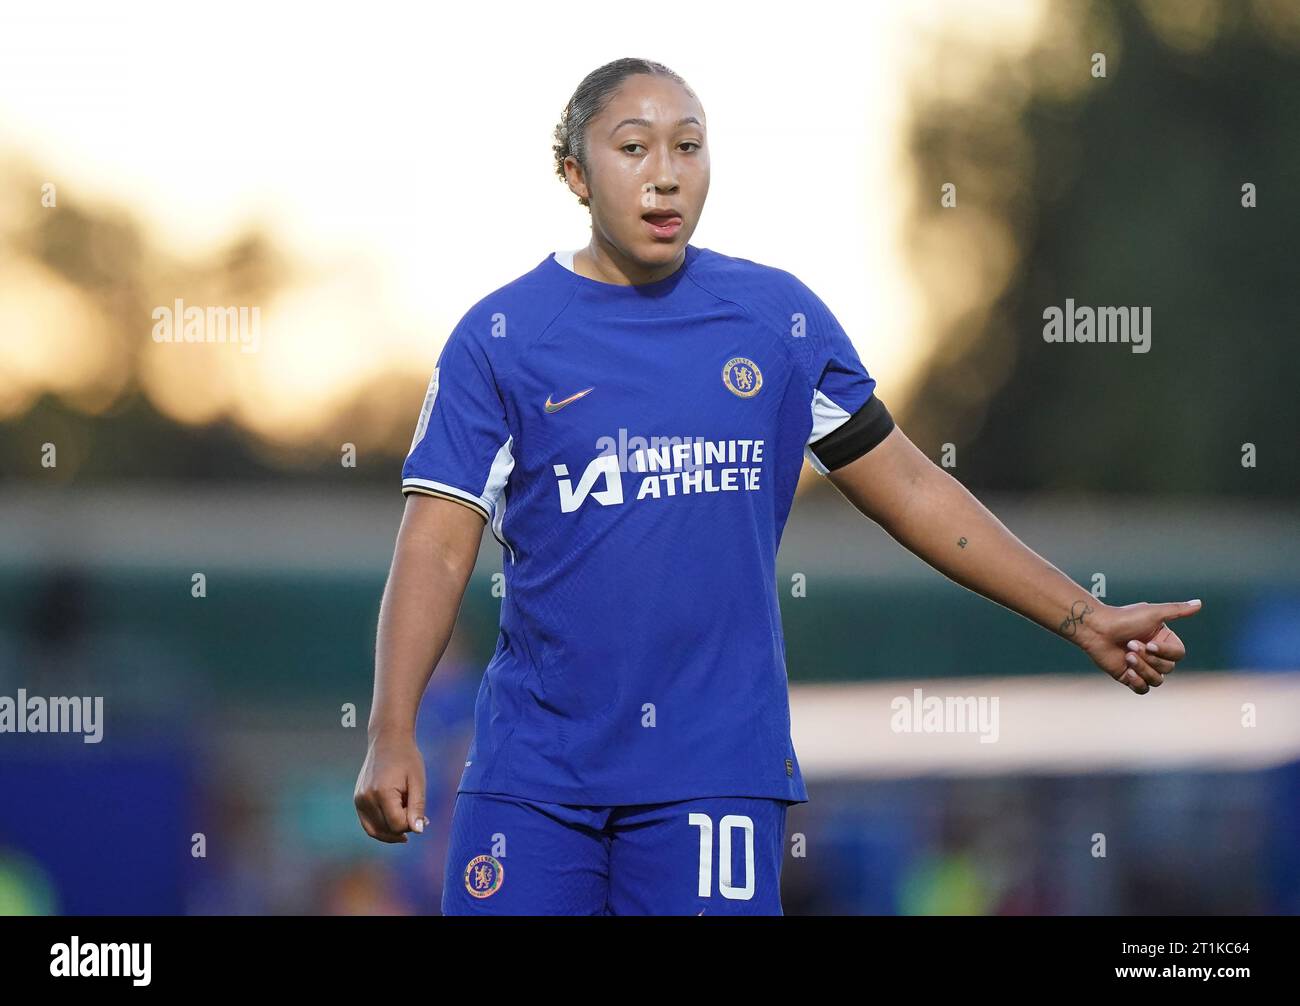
(934, 516)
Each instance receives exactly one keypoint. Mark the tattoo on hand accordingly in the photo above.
(1075, 618)
(961, 542)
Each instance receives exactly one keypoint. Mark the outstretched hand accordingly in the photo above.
(1133, 644)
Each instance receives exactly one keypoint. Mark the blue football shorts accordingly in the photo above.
(707, 856)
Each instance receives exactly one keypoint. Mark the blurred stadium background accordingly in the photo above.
(331, 190)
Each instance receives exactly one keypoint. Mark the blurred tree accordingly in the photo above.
(1118, 191)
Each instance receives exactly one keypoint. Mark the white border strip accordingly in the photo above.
(442, 487)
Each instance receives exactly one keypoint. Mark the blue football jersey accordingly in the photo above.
(635, 450)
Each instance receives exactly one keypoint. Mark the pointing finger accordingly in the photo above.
(1179, 609)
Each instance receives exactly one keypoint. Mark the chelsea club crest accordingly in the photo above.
(483, 876)
(742, 376)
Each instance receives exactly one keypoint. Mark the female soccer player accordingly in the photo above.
(631, 420)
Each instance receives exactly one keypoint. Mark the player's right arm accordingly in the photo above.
(455, 472)
(437, 546)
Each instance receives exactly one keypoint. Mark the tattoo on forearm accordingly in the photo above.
(1075, 618)
(961, 542)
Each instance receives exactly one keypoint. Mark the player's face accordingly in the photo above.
(655, 167)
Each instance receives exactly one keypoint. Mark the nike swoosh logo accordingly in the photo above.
(557, 406)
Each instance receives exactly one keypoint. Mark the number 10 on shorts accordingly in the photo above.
(726, 826)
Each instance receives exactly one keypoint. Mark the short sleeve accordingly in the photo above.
(848, 419)
(461, 447)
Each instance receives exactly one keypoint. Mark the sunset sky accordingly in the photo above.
(402, 159)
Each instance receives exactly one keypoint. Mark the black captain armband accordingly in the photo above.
(855, 436)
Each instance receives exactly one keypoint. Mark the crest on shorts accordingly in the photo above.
(483, 876)
(742, 377)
